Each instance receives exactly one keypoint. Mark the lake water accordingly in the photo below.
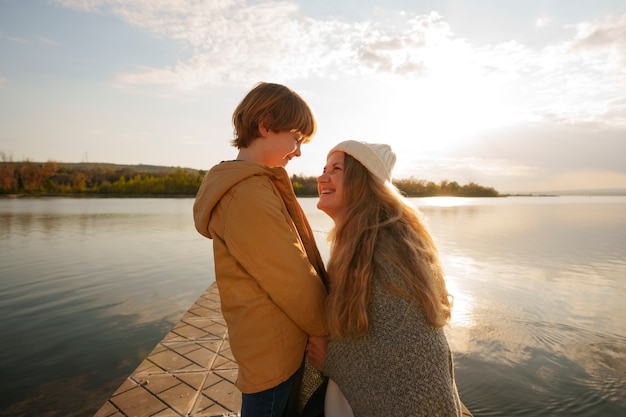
(89, 286)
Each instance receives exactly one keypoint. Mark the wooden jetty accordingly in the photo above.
(190, 373)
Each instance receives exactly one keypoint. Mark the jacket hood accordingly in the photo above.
(221, 178)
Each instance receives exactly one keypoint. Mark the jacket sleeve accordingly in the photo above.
(261, 238)
(201, 210)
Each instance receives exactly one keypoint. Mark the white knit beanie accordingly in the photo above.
(378, 158)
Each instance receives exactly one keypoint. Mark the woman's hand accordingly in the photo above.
(317, 347)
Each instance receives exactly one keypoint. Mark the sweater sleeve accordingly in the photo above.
(261, 236)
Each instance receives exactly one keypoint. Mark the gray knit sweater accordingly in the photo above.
(401, 367)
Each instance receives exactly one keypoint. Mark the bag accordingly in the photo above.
(306, 398)
(315, 405)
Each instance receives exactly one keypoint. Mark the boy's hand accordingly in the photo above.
(317, 348)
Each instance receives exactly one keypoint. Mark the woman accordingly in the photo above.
(388, 301)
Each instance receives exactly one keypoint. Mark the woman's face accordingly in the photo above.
(330, 186)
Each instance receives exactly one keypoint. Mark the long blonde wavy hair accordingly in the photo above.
(380, 226)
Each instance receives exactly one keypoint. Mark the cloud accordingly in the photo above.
(471, 167)
(232, 41)
(542, 21)
(535, 156)
(235, 42)
(15, 39)
(22, 40)
(607, 33)
(514, 175)
(84, 5)
(615, 114)
(501, 173)
(46, 40)
(3, 81)
(585, 180)
(557, 147)
(229, 41)
(409, 49)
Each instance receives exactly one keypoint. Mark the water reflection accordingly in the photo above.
(537, 318)
(464, 303)
(538, 326)
(539, 323)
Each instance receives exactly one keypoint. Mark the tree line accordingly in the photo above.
(52, 178)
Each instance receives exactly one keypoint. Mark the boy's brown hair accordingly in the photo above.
(278, 107)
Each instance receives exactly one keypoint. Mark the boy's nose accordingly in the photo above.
(297, 152)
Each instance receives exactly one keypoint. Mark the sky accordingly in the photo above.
(521, 96)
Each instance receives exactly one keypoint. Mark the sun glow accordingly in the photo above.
(445, 113)
(463, 320)
(462, 304)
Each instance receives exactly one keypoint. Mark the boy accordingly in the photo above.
(267, 266)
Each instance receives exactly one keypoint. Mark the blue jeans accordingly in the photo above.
(268, 403)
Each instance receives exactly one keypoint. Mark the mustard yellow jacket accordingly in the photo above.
(267, 267)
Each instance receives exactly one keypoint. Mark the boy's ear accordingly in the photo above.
(263, 130)
(263, 126)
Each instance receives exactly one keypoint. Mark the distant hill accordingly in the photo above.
(106, 165)
(597, 192)
(97, 178)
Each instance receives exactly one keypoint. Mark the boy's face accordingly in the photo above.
(282, 146)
